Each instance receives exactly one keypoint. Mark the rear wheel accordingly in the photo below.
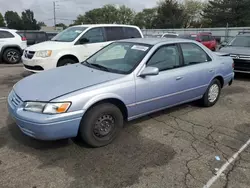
(212, 94)
(101, 125)
(12, 56)
(66, 61)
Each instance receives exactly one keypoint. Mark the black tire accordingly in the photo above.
(12, 56)
(206, 101)
(88, 128)
(66, 61)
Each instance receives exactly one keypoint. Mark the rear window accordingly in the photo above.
(6, 34)
(131, 32)
(205, 38)
(31, 36)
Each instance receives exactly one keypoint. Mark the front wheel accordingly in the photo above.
(212, 94)
(101, 125)
(66, 61)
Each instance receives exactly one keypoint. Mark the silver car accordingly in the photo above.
(123, 81)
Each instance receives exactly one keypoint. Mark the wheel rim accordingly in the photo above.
(213, 93)
(12, 56)
(104, 126)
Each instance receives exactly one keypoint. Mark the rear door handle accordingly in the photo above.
(179, 78)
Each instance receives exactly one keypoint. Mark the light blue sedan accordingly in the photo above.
(121, 82)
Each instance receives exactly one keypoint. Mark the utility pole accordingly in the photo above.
(54, 8)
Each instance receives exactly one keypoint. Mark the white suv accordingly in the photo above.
(75, 44)
(11, 46)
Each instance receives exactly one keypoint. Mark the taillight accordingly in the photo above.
(24, 39)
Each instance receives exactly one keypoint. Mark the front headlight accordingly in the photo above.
(47, 108)
(44, 53)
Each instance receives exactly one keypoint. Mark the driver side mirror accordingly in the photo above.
(83, 41)
(149, 71)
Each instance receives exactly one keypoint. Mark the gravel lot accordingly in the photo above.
(172, 148)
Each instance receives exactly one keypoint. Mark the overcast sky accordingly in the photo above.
(66, 10)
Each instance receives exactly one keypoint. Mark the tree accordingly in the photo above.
(61, 25)
(170, 14)
(41, 24)
(2, 23)
(146, 18)
(29, 22)
(13, 20)
(125, 15)
(193, 10)
(219, 13)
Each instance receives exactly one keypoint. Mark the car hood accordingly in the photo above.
(49, 45)
(53, 83)
(236, 50)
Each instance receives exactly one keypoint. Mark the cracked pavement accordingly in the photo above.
(172, 148)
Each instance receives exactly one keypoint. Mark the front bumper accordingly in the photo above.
(38, 64)
(43, 126)
(242, 66)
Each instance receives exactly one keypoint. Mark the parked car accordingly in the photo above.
(74, 45)
(123, 81)
(170, 35)
(205, 38)
(11, 46)
(34, 37)
(51, 34)
(239, 49)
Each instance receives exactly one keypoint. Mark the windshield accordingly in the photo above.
(241, 41)
(69, 35)
(118, 57)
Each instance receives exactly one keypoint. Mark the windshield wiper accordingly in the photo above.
(97, 66)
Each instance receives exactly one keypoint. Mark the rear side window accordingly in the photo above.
(114, 33)
(131, 32)
(205, 38)
(6, 34)
(193, 54)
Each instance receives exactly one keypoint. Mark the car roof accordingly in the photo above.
(10, 30)
(104, 25)
(154, 41)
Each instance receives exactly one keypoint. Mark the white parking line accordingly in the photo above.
(224, 167)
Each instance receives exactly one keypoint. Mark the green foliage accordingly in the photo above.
(28, 20)
(61, 25)
(13, 20)
(2, 23)
(219, 13)
(146, 18)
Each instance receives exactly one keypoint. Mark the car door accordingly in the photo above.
(6, 38)
(90, 42)
(197, 72)
(160, 91)
(2, 41)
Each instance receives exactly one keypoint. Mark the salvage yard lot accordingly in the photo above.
(172, 148)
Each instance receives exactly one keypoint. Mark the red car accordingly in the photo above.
(205, 38)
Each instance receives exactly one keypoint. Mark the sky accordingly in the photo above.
(66, 10)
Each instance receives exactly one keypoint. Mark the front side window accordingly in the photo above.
(240, 41)
(118, 57)
(94, 35)
(6, 34)
(69, 35)
(193, 54)
(165, 58)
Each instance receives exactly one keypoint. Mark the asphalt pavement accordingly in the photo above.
(182, 147)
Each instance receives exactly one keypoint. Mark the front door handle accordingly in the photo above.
(179, 78)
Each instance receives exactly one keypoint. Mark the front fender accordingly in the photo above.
(66, 52)
(99, 98)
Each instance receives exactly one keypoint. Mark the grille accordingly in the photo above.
(241, 65)
(35, 68)
(29, 54)
(16, 100)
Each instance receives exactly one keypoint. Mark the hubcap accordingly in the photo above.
(12, 56)
(104, 126)
(213, 93)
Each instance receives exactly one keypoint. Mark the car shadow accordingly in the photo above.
(242, 77)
